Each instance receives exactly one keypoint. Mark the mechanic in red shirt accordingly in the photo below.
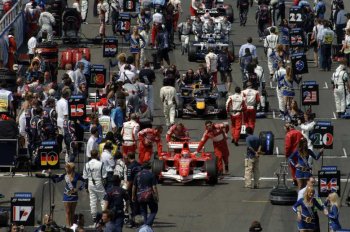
(147, 137)
(235, 105)
(291, 142)
(177, 133)
(218, 133)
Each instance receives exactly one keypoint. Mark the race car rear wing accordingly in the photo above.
(179, 145)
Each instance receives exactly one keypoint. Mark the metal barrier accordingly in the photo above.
(11, 15)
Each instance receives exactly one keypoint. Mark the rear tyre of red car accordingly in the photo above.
(157, 168)
(211, 168)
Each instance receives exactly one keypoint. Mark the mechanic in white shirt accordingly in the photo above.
(107, 158)
(249, 45)
(32, 42)
(211, 60)
(62, 109)
(168, 98)
(92, 142)
(70, 72)
(270, 43)
(127, 76)
(157, 19)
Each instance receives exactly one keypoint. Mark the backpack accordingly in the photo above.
(244, 4)
(223, 62)
(263, 13)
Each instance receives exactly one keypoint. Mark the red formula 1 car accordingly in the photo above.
(182, 165)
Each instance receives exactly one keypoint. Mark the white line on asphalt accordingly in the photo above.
(334, 116)
(273, 114)
(241, 178)
(271, 86)
(277, 151)
(345, 154)
(325, 85)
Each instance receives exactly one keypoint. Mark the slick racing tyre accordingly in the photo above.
(157, 167)
(179, 109)
(211, 168)
(283, 196)
(192, 53)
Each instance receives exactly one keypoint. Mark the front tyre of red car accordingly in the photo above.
(212, 173)
(157, 168)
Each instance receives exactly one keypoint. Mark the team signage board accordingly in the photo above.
(110, 46)
(23, 209)
(77, 107)
(296, 15)
(123, 25)
(49, 156)
(328, 181)
(299, 63)
(98, 76)
(131, 6)
(322, 135)
(309, 93)
(296, 38)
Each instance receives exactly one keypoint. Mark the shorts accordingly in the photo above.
(163, 54)
(302, 175)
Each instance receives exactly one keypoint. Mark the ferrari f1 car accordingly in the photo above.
(200, 100)
(183, 166)
(199, 49)
(219, 8)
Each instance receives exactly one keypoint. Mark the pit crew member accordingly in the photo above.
(251, 98)
(177, 133)
(147, 137)
(129, 134)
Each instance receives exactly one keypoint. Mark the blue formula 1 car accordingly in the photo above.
(202, 101)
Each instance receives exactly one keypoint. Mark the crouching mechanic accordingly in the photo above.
(129, 133)
(177, 133)
(340, 81)
(147, 137)
(218, 133)
(252, 99)
(94, 172)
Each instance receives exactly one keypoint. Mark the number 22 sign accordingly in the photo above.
(322, 135)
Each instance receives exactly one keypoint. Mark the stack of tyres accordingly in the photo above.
(49, 54)
(56, 8)
(267, 141)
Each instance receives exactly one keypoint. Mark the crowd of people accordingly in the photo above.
(119, 149)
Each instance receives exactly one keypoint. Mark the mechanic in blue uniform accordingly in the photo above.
(133, 167)
(115, 198)
(70, 138)
(304, 209)
(49, 121)
(303, 167)
(70, 194)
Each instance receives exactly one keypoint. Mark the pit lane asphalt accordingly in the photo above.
(227, 206)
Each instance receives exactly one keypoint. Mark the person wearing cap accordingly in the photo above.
(129, 133)
(235, 105)
(340, 82)
(46, 22)
(95, 172)
(146, 138)
(146, 182)
(291, 141)
(217, 132)
(70, 194)
(115, 197)
(252, 99)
